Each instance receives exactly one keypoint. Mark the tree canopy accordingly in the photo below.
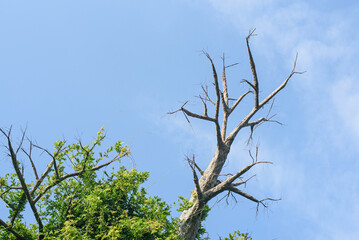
(81, 204)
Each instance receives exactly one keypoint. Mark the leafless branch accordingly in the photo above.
(192, 164)
(225, 117)
(243, 171)
(191, 114)
(250, 197)
(243, 194)
(231, 65)
(238, 101)
(255, 124)
(224, 82)
(53, 157)
(198, 168)
(205, 90)
(224, 197)
(195, 115)
(23, 184)
(228, 182)
(270, 96)
(30, 158)
(262, 202)
(215, 78)
(243, 182)
(254, 72)
(204, 105)
(22, 140)
(254, 159)
(249, 83)
(246, 119)
(218, 129)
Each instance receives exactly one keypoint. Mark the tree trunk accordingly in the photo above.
(191, 218)
(190, 222)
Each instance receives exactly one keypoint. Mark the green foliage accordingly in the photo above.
(112, 208)
(184, 204)
(237, 235)
(87, 206)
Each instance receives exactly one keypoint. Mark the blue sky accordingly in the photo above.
(67, 68)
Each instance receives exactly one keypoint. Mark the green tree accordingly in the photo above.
(80, 204)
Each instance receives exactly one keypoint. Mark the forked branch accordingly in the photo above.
(245, 121)
(193, 165)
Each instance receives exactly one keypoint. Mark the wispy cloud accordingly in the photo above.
(319, 179)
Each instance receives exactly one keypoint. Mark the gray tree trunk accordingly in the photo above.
(190, 222)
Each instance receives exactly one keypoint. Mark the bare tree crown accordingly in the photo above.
(209, 185)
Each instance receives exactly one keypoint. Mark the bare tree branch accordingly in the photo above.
(191, 163)
(244, 122)
(231, 65)
(198, 168)
(224, 82)
(204, 105)
(30, 158)
(53, 157)
(191, 114)
(23, 184)
(238, 101)
(218, 129)
(205, 90)
(195, 115)
(225, 118)
(215, 78)
(22, 140)
(228, 182)
(254, 72)
(243, 194)
(243, 182)
(267, 99)
(250, 197)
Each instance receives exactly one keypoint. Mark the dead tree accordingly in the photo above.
(209, 185)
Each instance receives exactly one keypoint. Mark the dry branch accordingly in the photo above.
(254, 71)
